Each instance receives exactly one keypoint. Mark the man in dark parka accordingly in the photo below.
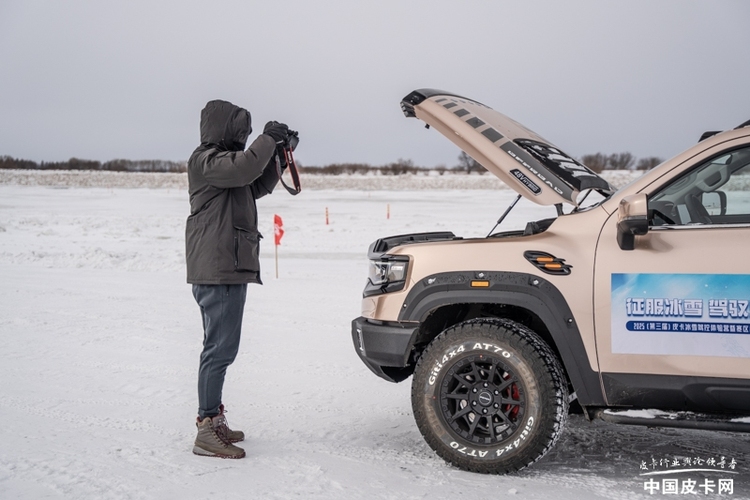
(221, 240)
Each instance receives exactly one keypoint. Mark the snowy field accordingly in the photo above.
(101, 338)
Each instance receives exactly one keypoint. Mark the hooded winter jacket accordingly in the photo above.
(224, 180)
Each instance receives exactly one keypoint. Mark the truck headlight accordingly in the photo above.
(387, 274)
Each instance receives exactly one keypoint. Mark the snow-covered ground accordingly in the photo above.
(101, 336)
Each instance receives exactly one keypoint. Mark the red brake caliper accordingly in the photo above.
(514, 394)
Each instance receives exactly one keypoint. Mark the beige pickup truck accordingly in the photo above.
(638, 300)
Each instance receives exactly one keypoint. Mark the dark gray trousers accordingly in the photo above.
(221, 308)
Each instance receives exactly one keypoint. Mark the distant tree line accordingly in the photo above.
(596, 162)
(398, 167)
(7, 162)
(619, 161)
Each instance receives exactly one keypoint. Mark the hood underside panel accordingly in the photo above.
(526, 162)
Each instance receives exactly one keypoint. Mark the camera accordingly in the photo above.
(285, 158)
(292, 139)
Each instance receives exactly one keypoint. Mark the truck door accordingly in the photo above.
(672, 316)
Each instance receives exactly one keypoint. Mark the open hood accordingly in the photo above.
(529, 164)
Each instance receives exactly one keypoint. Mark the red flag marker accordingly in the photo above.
(278, 229)
(278, 232)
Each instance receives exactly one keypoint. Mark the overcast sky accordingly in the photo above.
(127, 79)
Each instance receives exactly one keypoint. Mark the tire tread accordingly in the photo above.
(527, 341)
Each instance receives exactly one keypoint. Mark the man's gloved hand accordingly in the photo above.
(277, 131)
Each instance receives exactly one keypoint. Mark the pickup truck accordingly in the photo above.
(637, 301)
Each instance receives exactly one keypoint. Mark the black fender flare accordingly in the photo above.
(525, 291)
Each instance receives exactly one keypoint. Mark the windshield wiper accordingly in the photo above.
(582, 200)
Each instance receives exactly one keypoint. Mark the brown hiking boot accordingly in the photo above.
(212, 440)
(232, 436)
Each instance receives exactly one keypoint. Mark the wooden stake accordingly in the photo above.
(276, 253)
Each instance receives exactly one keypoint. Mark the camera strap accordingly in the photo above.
(292, 171)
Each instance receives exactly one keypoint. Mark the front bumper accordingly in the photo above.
(385, 347)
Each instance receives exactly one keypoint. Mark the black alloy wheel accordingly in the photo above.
(482, 400)
(489, 395)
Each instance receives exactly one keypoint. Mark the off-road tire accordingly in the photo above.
(489, 396)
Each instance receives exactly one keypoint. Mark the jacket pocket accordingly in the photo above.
(246, 250)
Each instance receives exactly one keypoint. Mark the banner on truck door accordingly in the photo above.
(681, 314)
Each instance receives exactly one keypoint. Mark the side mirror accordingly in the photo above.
(632, 220)
(715, 202)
